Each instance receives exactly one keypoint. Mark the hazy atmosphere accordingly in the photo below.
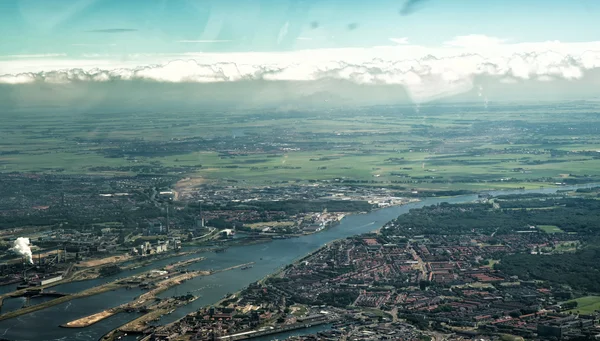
(299, 170)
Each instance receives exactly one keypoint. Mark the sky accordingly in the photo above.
(432, 48)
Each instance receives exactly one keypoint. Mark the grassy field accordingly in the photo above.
(550, 229)
(492, 262)
(439, 147)
(298, 310)
(587, 305)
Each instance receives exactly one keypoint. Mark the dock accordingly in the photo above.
(138, 304)
(117, 284)
(141, 324)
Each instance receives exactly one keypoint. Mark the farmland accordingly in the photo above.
(442, 147)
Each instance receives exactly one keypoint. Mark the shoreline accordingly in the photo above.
(134, 324)
(459, 199)
(278, 271)
(99, 289)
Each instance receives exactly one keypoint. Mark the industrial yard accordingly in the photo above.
(148, 303)
(154, 280)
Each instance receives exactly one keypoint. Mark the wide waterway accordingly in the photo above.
(44, 324)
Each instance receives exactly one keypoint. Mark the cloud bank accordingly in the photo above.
(425, 73)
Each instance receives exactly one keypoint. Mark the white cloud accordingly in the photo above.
(545, 78)
(425, 72)
(17, 79)
(403, 40)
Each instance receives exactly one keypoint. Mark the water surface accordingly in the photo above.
(44, 324)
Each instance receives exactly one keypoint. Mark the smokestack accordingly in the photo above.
(201, 217)
(21, 246)
(167, 218)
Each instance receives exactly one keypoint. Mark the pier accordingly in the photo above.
(140, 325)
(117, 284)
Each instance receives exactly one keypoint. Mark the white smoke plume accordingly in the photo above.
(481, 93)
(22, 246)
(417, 108)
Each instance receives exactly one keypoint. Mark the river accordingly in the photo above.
(44, 324)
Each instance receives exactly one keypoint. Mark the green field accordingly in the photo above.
(550, 229)
(587, 305)
(299, 310)
(492, 262)
(445, 148)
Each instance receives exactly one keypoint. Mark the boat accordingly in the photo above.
(246, 267)
(220, 250)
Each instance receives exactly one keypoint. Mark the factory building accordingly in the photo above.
(160, 247)
(45, 281)
(227, 233)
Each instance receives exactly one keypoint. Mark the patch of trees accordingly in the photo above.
(525, 196)
(569, 305)
(109, 270)
(577, 181)
(532, 203)
(573, 215)
(184, 297)
(220, 223)
(337, 299)
(276, 280)
(444, 308)
(580, 270)
(337, 271)
(588, 190)
(145, 169)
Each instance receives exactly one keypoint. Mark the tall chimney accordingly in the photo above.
(167, 218)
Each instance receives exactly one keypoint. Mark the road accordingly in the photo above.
(420, 263)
